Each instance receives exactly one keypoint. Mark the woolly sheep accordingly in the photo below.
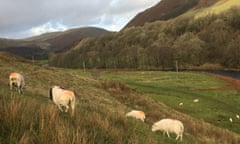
(136, 114)
(237, 116)
(16, 80)
(169, 126)
(62, 97)
(196, 100)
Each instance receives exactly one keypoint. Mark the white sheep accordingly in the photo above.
(16, 80)
(169, 126)
(136, 114)
(62, 97)
(196, 100)
(237, 116)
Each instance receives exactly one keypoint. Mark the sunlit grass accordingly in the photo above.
(224, 5)
(217, 103)
(217, 8)
(100, 108)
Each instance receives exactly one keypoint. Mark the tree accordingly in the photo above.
(189, 49)
(232, 56)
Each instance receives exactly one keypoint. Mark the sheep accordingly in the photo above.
(16, 80)
(180, 104)
(62, 97)
(136, 114)
(169, 126)
(230, 119)
(237, 116)
(196, 100)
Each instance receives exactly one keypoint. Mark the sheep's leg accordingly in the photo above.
(73, 107)
(164, 132)
(181, 137)
(67, 107)
(168, 134)
(11, 85)
(60, 107)
(177, 137)
(19, 89)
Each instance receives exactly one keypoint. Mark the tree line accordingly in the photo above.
(192, 42)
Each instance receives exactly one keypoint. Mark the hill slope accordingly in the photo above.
(216, 8)
(100, 111)
(209, 42)
(39, 46)
(167, 9)
(60, 41)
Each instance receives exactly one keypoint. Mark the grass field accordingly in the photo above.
(102, 104)
(216, 103)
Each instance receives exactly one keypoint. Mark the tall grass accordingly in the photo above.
(25, 120)
(100, 112)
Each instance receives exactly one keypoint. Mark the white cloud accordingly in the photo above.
(21, 18)
(47, 27)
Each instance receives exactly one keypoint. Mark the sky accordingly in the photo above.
(26, 18)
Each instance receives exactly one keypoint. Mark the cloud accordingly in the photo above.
(48, 27)
(23, 18)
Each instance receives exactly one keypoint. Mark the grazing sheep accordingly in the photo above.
(62, 97)
(136, 114)
(196, 100)
(16, 80)
(169, 126)
(180, 104)
(230, 119)
(237, 116)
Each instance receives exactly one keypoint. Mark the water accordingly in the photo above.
(232, 74)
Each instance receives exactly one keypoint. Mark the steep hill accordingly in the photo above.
(167, 9)
(39, 46)
(60, 41)
(196, 39)
(101, 105)
(216, 8)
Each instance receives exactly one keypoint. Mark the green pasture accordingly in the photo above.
(216, 102)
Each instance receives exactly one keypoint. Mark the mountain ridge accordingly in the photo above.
(167, 9)
(40, 46)
(211, 40)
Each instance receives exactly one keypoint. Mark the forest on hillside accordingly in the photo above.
(192, 42)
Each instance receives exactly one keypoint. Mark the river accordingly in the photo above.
(232, 74)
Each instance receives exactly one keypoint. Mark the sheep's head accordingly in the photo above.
(154, 128)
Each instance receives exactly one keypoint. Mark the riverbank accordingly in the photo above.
(233, 83)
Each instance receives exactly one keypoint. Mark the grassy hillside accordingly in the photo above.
(39, 47)
(164, 10)
(61, 41)
(192, 43)
(218, 100)
(100, 110)
(217, 8)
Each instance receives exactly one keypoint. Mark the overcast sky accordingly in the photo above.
(25, 18)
